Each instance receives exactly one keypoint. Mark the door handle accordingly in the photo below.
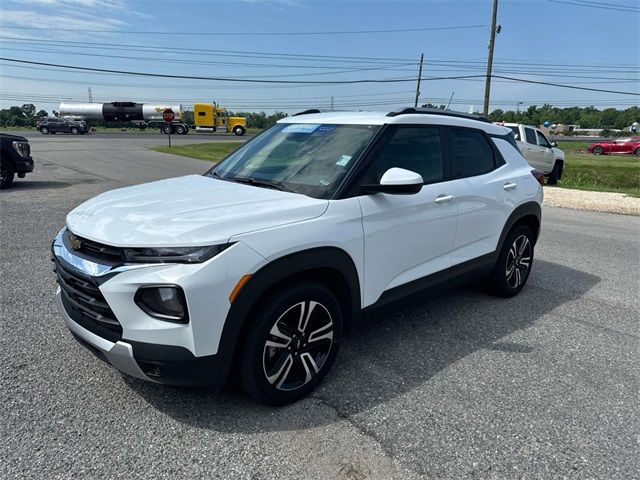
(509, 186)
(440, 199)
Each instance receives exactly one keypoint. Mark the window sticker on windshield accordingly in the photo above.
(324, 182)
(301, 128)
(343, 160)
(326, 128)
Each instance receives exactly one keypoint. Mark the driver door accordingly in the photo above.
(408, 237)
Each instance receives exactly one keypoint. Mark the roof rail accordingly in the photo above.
(306, 112)
(437, 111)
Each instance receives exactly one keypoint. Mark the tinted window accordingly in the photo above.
(542, 140)
(471, 152)
(531, 136)
(412, 148)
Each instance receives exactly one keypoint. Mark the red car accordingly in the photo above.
(621, 145)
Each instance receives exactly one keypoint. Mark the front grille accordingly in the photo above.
(85, 304)
(94, 251)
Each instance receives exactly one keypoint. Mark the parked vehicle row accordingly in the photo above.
(618, 146)
(53, 125)
(538, 150)
(257, 268)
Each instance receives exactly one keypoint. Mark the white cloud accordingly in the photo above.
(28, 18)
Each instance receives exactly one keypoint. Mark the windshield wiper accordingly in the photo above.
(260, 183)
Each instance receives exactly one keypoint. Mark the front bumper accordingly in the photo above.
(146, 347)
(24, 164)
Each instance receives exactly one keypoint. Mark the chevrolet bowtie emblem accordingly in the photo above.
(75, 242)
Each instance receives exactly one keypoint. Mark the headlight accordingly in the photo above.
(22, 148)
(173, 254)
(165, 302)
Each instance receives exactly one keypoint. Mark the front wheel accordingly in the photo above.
(292, 342)
(514, 263)
(636, 152)
(44, 130)
(556, 173)
(239, 131)
(74, 131)
(598, 150)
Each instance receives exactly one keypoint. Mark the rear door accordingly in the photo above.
(485, 193)
(407, 237)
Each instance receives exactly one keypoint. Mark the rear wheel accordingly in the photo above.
(598, 150)
(514, 263)
(292, 342)
(6, 175)
(239, 131)
(180, 130)
(44, 130)
(167, 129)
(556, 173)
(74, 131)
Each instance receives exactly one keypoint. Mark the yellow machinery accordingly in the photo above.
(208, 117)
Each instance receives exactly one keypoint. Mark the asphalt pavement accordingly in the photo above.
(460, 385)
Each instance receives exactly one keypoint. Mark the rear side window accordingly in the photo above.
(415, 148)
(470, 152)
(531, 136)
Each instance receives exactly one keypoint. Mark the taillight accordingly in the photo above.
(538, 175)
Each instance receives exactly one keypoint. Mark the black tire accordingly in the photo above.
(239, 131)
(514, 263)
(44, 130)
(6, 175)
(166, 129)
(636, 152)
(597, 150)
(556, 173)
(180, 130)
(74, 131)
(52, 132)
(273, 374)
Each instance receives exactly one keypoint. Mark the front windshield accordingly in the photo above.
(307, 158)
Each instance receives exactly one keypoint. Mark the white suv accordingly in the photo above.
(259, 267)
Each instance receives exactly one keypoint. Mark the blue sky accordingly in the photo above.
(544, 40)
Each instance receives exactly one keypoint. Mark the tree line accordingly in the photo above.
(587, 117)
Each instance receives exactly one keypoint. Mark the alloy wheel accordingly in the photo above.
(518, 261)
(298, 345)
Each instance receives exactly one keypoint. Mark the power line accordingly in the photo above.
(245, 34)
(600, 5)
(566, 86)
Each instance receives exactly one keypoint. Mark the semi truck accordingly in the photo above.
(207, 117)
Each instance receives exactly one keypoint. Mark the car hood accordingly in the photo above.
(187, 211)
(13, 138)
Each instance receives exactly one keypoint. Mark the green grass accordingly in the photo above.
(605, 173)
(212, 152)
(574, 147)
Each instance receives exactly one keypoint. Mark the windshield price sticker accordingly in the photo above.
(301, 128)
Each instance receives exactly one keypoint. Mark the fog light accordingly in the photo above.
(165, 302)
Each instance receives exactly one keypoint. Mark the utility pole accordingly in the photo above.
(90, 96)
(492, 40)
(451, 98)
(332, 103)
(415, 104)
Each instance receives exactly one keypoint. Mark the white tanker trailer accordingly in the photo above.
(150, 115)
(208, 117)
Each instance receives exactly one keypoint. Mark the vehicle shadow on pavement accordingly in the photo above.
(35, 185)
(395, 352)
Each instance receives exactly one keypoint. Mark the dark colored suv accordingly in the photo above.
(15, 158)
(62, 125)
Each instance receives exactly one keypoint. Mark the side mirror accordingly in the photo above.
(396, 181)
(554, 144)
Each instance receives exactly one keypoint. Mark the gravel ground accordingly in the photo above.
(458, 386)
(608, 202)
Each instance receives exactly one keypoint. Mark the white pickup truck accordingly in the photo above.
(539, 152)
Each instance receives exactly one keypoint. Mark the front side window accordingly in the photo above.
(470, 152)
(542, 140)
(307, 158)
(516, 132)
(415, 148)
